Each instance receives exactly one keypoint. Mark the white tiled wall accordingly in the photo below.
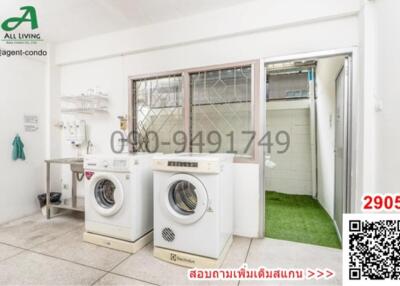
(292, 173)
(226, 118)
(165, 124)
(223, 118)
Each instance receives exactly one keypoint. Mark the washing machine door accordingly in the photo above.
(106, 194)
(184, 199)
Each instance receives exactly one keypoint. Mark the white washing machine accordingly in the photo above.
(119, 195)
(193, 203)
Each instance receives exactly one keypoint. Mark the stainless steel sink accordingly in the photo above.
(75, 203)
(77, 166)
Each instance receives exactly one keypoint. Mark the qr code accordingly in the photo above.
(372, 247)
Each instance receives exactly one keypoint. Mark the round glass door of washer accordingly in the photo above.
(185, 198)
(106, 195)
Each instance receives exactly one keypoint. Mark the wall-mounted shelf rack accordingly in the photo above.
(85, 98)
(84, 110)
(85, 103)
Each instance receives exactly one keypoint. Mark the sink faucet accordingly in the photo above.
(89, 147)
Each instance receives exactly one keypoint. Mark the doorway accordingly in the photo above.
(307, 179)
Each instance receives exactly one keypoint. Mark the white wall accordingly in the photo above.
(52, 117)
(75, 79)
(326, 73)
(246, 200)
(292, 173)
(366, 147)
(236, 21)
(380, 88)
(112, 73)
(251, 31)
(22, 93)
(387, 94)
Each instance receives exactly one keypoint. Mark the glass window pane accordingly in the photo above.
(159, 114)
(287, 86)
(221, 111)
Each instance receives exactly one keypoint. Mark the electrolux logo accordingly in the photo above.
(28, 17)
(174, 257)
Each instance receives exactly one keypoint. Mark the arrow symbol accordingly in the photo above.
(310, 274)
(320, 273)
(329, 273)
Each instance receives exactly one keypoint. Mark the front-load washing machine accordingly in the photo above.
(119, 195)
(193, 206)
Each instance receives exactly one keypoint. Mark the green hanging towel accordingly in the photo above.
(18, 149)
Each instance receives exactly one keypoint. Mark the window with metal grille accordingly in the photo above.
(158, 113)
(221, 110)
(205, 111)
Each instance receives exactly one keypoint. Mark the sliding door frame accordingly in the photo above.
(353, 120)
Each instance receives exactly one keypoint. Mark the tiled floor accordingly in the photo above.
(36, 251)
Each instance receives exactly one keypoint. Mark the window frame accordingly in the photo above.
(185, 74)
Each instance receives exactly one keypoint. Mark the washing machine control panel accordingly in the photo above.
(212, 167)
(117, 165)
(120, 164)
(183, 164)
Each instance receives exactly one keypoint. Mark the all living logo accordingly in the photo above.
(28, 18)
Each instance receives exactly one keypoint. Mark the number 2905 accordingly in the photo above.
(381, 202)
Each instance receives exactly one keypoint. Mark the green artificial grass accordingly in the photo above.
(298, 218)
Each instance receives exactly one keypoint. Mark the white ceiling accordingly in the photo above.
(65, 20)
